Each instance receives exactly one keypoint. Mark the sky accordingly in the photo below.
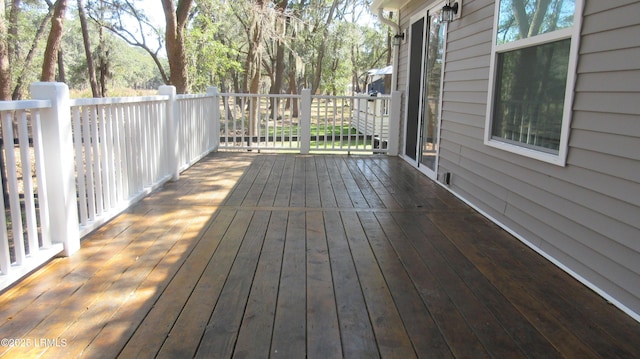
(153, 9)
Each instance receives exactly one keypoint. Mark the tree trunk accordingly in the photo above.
(253, 64)
(254, 54)
(20, 81)
(317, 76)
(355, 77)
(276, 85)
(176, 20)
(5, 70)
(62, 76)
(293, 85)
(13, 43)
(87, 50)
(103, 72)
(53, 42)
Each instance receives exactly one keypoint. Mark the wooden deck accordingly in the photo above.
(292, 256)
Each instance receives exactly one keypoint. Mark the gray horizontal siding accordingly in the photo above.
(585, 215)
(618, 81)
(615, 41)
(608, 102)
(624, 123)
(572, 201)
(607, 265)
(624, 14)
(613, 144)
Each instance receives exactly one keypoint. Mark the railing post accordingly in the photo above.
(394, 123)
(214, 136)
(57, 145)
(305, 122)
(173, 144)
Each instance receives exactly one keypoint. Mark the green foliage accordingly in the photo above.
(217, 42)
(129, 67)
(210, 60)
(29, 18)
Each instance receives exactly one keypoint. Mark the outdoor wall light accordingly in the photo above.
(449, 12)
(398, 38)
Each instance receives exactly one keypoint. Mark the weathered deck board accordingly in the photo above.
(391, 335)
(323, 334)
(261, 305)
(289, 327)
(257, 256)
(355, 325)
(219, 338)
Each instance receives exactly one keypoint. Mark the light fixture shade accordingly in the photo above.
(448, 12)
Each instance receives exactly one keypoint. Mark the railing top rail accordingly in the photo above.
(358, 97)
(24, 105)
(227, 94)
(116, 100)
(192, 96)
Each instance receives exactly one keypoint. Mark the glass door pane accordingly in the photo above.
(432, 92)
(415, 92)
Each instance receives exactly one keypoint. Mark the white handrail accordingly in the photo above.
(115, 100)
(24, 105)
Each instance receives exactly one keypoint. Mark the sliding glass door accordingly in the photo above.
(424, 91)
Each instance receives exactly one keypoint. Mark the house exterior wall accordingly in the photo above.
(584, 216)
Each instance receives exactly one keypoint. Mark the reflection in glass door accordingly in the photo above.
(432, 92)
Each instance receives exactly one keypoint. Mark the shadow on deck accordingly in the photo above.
(319, 256)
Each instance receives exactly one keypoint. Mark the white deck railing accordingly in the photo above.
(25, 240)
(73, 164)
(258, 122)
(196, 128)
(120, 154)
(307, 123)
(371, 117)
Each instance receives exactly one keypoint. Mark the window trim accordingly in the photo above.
(572, 33)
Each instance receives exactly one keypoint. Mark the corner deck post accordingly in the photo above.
(57, 143)
(173, 144)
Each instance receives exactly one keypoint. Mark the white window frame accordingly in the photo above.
(572, 33)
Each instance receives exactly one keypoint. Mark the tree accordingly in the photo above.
(13, 45)
(19, 30)
(5, 71)
(176, 16)
(278, 73)
(212, 56)
(255, 36)
(287, 44)
(24, 69)
(53, 42)
(315, 84)
(117, 16)
(253, 16)
(87, 50)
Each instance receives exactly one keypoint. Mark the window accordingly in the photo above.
(532, 76)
